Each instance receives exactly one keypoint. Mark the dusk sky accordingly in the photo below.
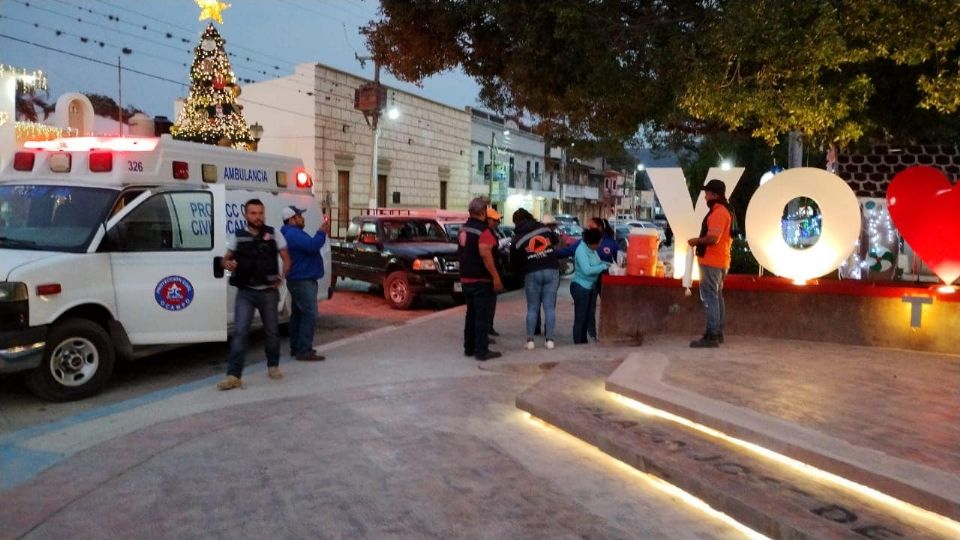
(262, 34)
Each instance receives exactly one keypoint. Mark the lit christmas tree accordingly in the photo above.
(211, 114)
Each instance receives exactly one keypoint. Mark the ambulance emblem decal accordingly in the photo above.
(173, 293)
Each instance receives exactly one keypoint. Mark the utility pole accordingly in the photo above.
(120, 95)
(370, 99)
(493, 164)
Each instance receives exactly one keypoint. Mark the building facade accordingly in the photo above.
(422, 155)
(507, 164)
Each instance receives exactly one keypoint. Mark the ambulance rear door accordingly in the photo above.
(165, 250)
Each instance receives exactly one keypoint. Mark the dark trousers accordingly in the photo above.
(303, 314)
(493, 310)
(584, 310)
(476, 327)
(266, 302)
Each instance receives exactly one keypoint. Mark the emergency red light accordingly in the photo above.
(181, 170)
(101, 161)
(84, 144)
(303, 180)
(23, 161)
(48, 288)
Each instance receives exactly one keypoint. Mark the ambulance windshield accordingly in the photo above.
(51, 218)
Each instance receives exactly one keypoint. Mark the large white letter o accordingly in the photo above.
(840, 228)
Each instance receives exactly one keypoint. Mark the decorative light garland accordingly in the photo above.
(32, 131)
(4, 117)
(31, 80)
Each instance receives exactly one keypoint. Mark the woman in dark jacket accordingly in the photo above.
(534, 248)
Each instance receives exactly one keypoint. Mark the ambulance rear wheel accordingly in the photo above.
(77, 362)
(397, 291)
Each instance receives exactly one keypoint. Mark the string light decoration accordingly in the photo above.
(32, 131)
(211, 114)
(4, 117)
(879, 244)
(30, 81)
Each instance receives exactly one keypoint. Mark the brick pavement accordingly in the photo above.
(902, 403)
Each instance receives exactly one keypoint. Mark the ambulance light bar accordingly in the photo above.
(84, 144)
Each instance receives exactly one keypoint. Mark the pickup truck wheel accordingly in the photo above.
(77, 362)
(396, 289)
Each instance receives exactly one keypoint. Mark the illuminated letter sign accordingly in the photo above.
(840, 228)
(684, 219)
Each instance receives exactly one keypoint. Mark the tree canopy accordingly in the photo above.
(835, 70)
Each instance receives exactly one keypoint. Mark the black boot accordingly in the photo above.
(708, 341)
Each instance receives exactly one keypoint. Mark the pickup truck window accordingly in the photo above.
(413, 231)
(353, 232)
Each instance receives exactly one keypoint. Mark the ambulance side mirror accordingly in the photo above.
(218, 267)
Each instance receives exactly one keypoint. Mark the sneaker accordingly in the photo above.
(708, 341)
(490, 355)
(274, 373)
(230, 383)
(550, 344)
(530, 344)
(310, 356)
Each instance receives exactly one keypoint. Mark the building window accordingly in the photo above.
(480, 162)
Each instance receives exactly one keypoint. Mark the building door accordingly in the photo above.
(381, 191)
(343, 199)
(443, 194)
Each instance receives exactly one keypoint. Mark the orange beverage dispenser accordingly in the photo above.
(642, 247)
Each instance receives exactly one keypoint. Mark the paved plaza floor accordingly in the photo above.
(398, 435)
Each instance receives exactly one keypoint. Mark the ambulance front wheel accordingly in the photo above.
(77, 362)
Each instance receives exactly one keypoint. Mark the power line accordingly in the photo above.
(138, 72)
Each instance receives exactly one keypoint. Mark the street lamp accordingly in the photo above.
(393, 113)
(256, 133)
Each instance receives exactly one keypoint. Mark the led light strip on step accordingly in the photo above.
(936, 521)
(655, 482)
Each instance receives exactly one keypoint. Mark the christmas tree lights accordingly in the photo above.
(211, 114)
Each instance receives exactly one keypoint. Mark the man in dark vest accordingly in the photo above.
(713, 254)
(481, 281)
(252, 257)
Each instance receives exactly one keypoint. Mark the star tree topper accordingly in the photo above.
(212, 9)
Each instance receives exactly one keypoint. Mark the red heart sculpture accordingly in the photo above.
(925, 207)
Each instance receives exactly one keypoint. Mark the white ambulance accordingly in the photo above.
(111, 248)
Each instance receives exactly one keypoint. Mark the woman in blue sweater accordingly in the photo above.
(587, 270)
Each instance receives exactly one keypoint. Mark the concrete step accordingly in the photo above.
(771, 498)
(641, 377)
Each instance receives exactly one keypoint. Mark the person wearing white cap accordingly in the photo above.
(305, 270)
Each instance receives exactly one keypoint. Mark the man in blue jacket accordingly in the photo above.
(306, 269)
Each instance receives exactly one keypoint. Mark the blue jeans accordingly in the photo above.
(541, 289)
(592, 321)
(711, 292)
(476, 327)
(303, 316)
(584, 310)
(265, 301)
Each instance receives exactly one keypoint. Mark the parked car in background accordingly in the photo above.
(641, 223)
(567, 219)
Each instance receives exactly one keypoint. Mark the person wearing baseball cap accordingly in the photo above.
(713, 254)
(493, 223)
(306, 269)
